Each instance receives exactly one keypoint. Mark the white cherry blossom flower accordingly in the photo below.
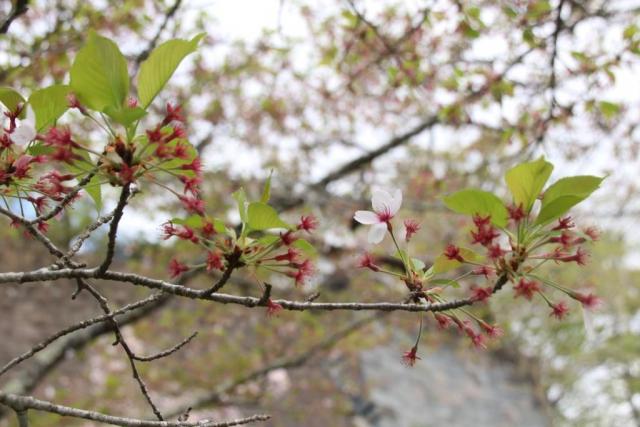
(24, 133)
(385, 207)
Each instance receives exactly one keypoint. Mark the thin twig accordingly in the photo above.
(81, 325)
(113, 228)
(154, 41)
(167, 352)
(285, 363)
(65, 201)
(102, 301)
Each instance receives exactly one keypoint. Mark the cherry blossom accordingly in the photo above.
(24, 134)
(385, 207)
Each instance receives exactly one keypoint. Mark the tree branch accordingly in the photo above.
(284, 363)
(113, 228)
(20, 7)
(154, 41)
(26, 402)
(104, 305)
(183, 291)
(81, 325)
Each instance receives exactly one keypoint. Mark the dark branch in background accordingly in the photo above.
(22, 403)
(20, 7)
(552, 69)
(154, 41)
(397, 141)
(554, 55)
(366, 159)
(297, 361)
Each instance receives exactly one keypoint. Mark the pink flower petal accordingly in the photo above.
(377, 232)
(366, 217)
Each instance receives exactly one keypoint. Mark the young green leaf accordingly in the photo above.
(261, 216)
(565, 194)
(49, 104)
(305, 247)
(39, 148)
(125, 115)
(266, 192)
(160, 66)
(445, 282)
(10, 98)
(241, 199)
(99, 74)
(193, 221)
(472, 202)
(527, 180)
(581, 185)
(418, 264)
(94, 190)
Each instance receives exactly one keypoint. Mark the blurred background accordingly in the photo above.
(337, 97)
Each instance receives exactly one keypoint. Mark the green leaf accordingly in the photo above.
(241, 199)
(39, 148)
(609, 109)
(99, 74)
(192, 221)
(156, 70)
(444, 264)
(305, 247)
(49, 104)
(125, 115)
(94, 190)
(556, 208)
(219, 226)
(445, 282)
(527, 180)
(266, 192)
(581, 185)
(418, 264)
(565, 194)
(472, 202)
(261, 216)
(268, 239)
(11, 98)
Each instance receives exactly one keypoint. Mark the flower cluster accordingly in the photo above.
(283, 252)
(123, 160)
(514, 245)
